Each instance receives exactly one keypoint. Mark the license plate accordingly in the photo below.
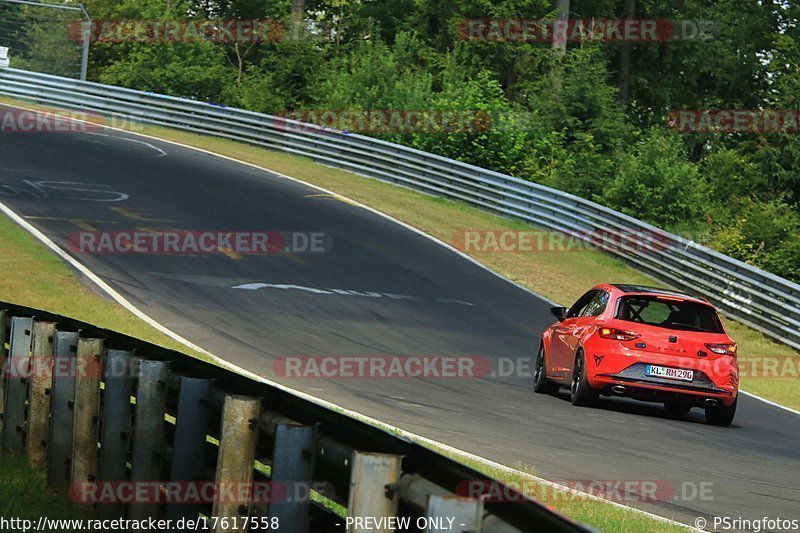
(669, 373)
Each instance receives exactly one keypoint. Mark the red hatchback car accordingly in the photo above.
(651, 344)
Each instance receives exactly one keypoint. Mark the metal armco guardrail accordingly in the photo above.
(757, 298)
(137, 431)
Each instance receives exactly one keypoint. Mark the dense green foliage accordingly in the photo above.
(592, 121)
(41, 38)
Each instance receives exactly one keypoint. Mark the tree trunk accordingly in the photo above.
(624, 74)
(559, 43)
(298, 12)
(560, 37)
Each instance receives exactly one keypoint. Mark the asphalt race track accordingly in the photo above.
(381, 290)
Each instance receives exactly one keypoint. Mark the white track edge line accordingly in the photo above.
(324, 190)
(319, 401)
(405, 225)
(313, 399)
(769, 402)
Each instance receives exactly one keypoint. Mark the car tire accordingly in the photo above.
(678, 407)
(541, 384)
(721, 415)
(580, 392)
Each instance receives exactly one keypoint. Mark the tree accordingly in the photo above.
(588, 118)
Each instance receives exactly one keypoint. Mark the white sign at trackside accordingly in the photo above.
(3, 56)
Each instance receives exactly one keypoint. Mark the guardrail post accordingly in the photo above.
(189, 442)
(115, 425)
(87, 411)
(235, 461)
(3, 369)
(374, 488)
(62, 402)
(148, 432)
(17, 385)
(41, 383)
(452, 513)
(292, 472)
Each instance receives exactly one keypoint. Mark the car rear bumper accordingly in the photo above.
(714, 378)
(657, 391)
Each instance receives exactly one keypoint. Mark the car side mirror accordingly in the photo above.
(559, 312)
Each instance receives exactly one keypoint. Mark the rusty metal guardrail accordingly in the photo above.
(135, 430)
(757, 298)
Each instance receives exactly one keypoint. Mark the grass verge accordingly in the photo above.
(560, 276)
(25, 496)
(601, 515)
(43, 281)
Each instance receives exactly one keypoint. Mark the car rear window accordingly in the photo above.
(669, 313)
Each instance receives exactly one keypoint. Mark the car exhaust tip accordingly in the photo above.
(618, 389)
(711, 402)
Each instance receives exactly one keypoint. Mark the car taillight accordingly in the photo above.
(618, 334)
(723, 349)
